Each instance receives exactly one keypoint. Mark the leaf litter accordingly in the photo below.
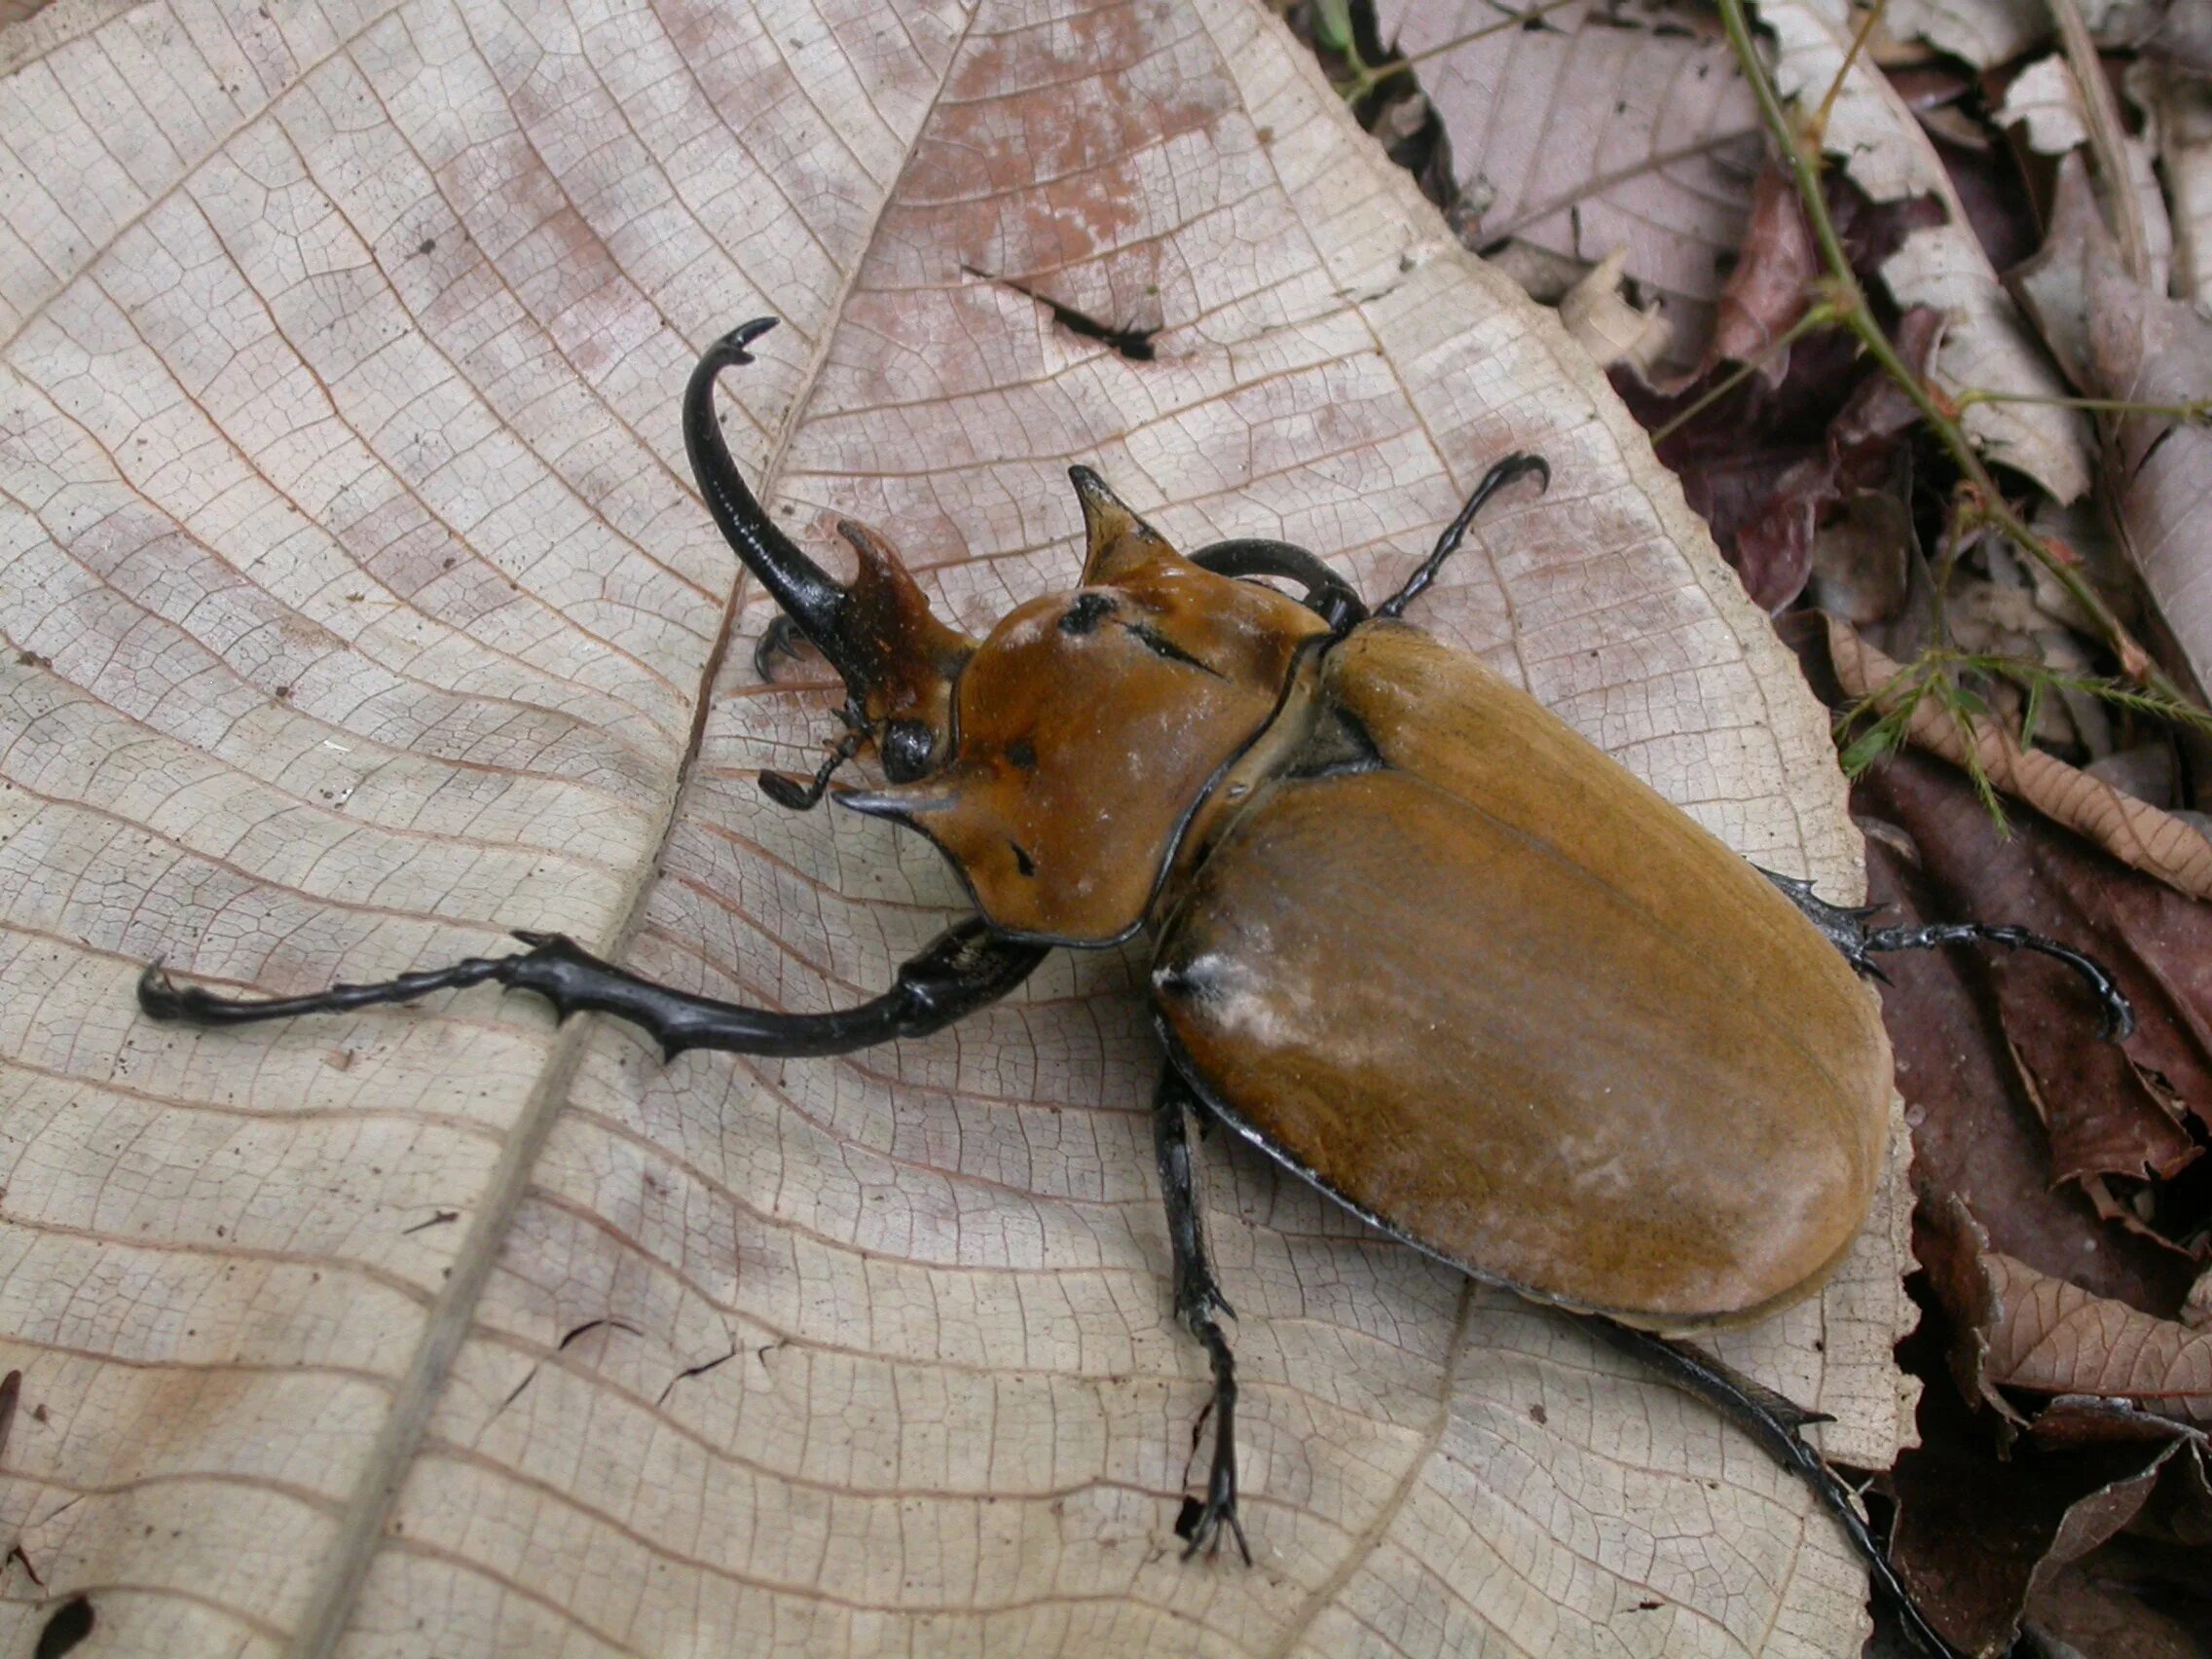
(2012, 764)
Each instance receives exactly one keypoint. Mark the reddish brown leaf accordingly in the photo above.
(2053, 1338)
(2111, 1110)
(1770, 288)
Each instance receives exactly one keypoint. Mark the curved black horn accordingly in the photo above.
(804, 590)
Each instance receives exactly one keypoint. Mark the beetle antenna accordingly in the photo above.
(1513, 467)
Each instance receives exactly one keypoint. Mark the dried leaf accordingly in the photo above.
(1986, 345)
(2136, 833)
(2120, 341)
(1978, 1134)
(2111, 1110)
(357, 608)
(2044, 1336)
(1607, 326)
(1771, 286)
(2182, 102)
(1977, 1535)
(1985, 32)
(1602, 125)
(2046, 103)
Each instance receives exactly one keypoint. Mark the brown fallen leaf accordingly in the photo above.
(2118, 339)
(1771, 285)
(312, 303)
(1604, 324)
(2016, 1328)
(2133, 832)
(1979, 1536)
(2109, 1110)
(1978, 1131)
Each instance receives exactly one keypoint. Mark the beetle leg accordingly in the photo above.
(789, 792)
(1327, 595)
(1774, 1422)
(960, 970)
(1198, 1299)
(1496, 479)
(1847, 929)
(779, 639)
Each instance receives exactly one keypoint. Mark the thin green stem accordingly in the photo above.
(1819, 317)
(2196, 413)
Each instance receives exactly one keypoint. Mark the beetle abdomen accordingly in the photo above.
(1513, 1005)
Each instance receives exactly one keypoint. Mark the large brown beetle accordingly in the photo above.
(1414, 938)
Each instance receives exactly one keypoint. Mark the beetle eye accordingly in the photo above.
(906, 748)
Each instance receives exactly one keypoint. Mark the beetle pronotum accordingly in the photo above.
(1699, 1149)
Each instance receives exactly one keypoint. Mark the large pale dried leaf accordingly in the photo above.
(1605, 126)
(1874, 137)
(357, 608)
(2135, 831)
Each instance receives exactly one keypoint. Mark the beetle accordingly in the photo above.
(1413, 937)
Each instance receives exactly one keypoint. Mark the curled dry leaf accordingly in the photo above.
(2045, 101)
(1604, 324)
(2021, 1329)
(2118, 339)
(2181, 104)
(1986, 1539)
(1599, 125)
(357, 608)
(1771, 286)
(2135, 832)
(1876, 139)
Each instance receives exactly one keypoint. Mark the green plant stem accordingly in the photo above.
(2193, 413)
(1849, 301)
(1819, 317)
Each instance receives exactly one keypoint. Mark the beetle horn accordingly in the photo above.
(1119, 540)
(894, 657)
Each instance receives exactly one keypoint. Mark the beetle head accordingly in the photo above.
(1088, 726)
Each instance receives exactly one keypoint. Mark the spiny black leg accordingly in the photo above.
(781, 639)
(1327, 595)
(1496, 479)
(1198, 1299)
(1847, 929)
(959, 972)
(1773, 1422)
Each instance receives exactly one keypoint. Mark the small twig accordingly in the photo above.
(2107, 141)
(1366, 78)
(1817, 129)
(1819, 317)
(1849, 299)
(2194, 413)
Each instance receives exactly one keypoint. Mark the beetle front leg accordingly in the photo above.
(1847, 928)
(960, 970)
(1198, 1299)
